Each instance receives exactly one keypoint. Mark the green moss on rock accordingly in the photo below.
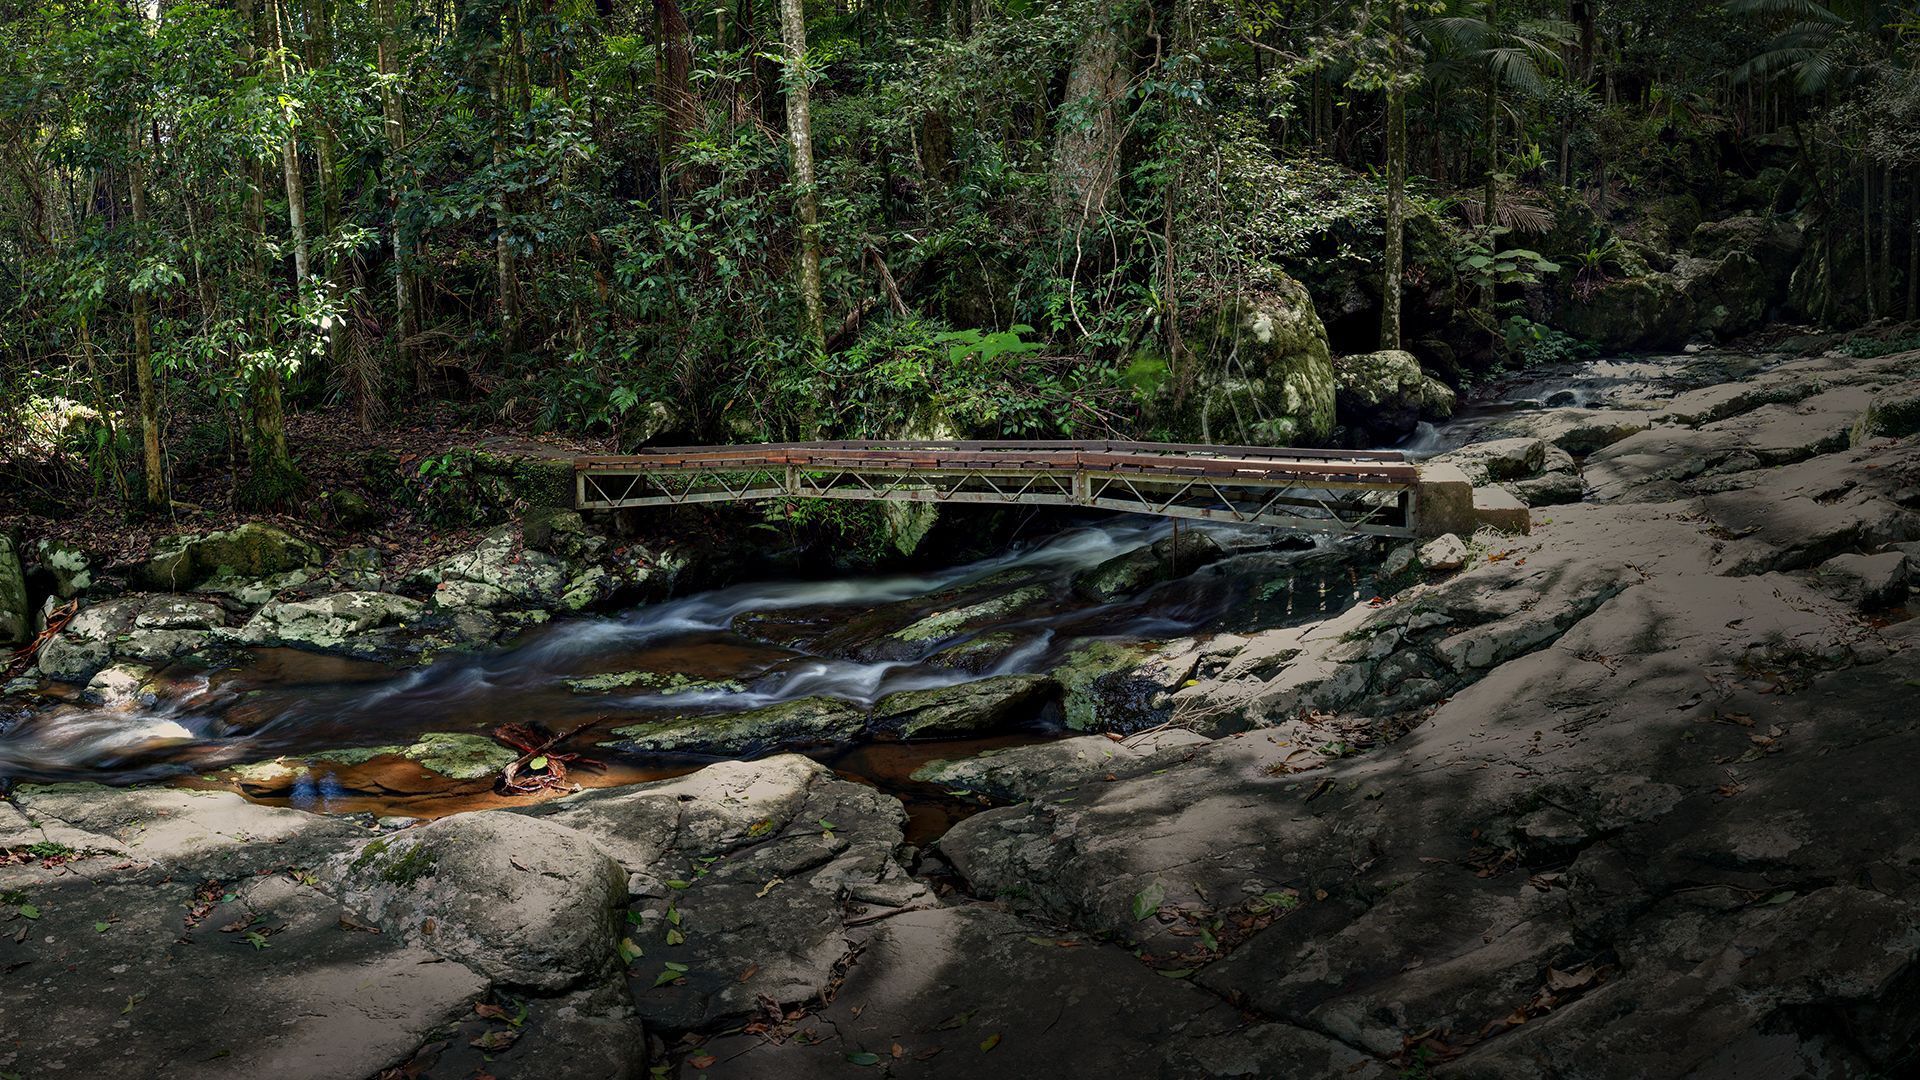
(810, 721)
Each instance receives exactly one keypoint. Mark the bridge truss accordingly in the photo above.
(1323, 491)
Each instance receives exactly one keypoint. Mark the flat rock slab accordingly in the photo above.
(153, 993)
(971, 992)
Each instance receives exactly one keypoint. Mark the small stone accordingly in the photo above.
(1444, 554)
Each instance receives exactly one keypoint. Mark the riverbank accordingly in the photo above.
(1574, 802)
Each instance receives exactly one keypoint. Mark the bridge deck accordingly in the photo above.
(1367, 491)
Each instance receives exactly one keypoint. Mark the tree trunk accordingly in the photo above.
(793, 35)
(408, 318)
(673, 92)
(502, 249)
(1087, 138)
(1913, 245)
(290, 162)
(1396, 184)
(1866, 242)
(151, 462)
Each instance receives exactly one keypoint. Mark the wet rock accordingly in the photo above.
(970, 708)
(812, 721)
(119, 684)
(1871, 581)
(16, 617)
(945, 624)
(977, 654)
(150, 629)
(1444, 554)
(1129, 573)
(664, 684)
(466, 886)
(1024, 772)
(328, 621)
(251, 551)
(357, 569)
(1093, 678)
(1385, 394)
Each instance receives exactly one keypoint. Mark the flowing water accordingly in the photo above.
(731, 649)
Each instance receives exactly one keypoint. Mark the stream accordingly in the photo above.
(737, 648)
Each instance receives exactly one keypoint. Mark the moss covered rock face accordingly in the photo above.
(1385, 394)
(15, 625)
(1632, 313)
(1264, 373)
(251, 551)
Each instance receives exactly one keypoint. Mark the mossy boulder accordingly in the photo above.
(251, 551)
(1090, 677)
(66, 566)
(1647, 312)
(1383, 395)
(16, 619)
(1262, 373)
(327, 622)
(979, 707)
(665, 684)
(1892, 414)
(952, 622)
(1133, 571)
(812, 721)
(150, 629)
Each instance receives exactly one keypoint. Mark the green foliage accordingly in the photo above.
(1534, 344)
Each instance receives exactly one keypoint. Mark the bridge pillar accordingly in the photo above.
(1445, 501)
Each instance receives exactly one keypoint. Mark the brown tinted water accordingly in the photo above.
(716, 652)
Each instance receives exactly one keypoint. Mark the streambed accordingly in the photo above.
(326, 733)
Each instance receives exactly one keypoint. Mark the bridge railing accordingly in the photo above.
(1364, 491)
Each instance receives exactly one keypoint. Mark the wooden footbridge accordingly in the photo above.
(1373, 492)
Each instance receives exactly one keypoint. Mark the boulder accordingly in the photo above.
(979, 707)
(813, 721)
(1264, 375)
(186, 562)
(525, 902)
(67, 566)
(1120, 687)
(1647, 312)
(152, 629)
(1132, 571)
(1385, 394)
(118, 685)
(1892, 414)
(328, 621)
(1499, 460)
(1871, 581)
(497, 573)
(1443, 554)
(16, 617)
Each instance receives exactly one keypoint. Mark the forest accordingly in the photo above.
(979, 219)
(940, 539)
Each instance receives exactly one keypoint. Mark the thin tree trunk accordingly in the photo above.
(405, 313)
(1886, 239)
(673, 92)
(793, 35)
(1866, 242)
(502, 249)
(151, 463)
(1396, 184)
(1913, 245)
(290, 161)
(1087, 140)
